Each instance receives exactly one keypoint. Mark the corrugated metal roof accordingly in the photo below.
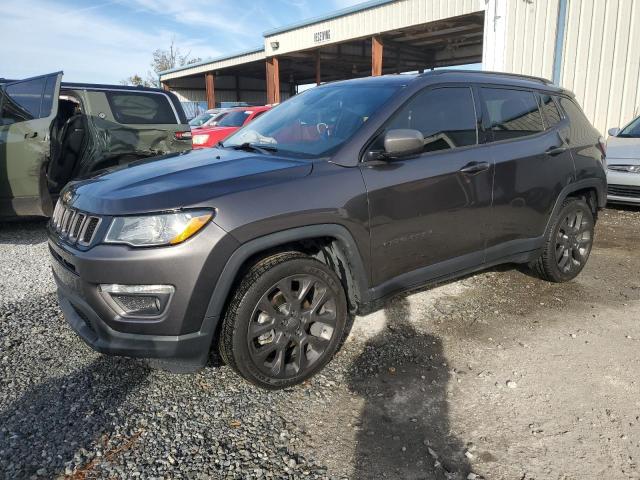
(338, 13)
(213, 60)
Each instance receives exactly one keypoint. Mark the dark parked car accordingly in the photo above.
(264, 247)
(53, 132)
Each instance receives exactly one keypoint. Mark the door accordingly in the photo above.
(427, 211)
(532, 165)
(27, 110)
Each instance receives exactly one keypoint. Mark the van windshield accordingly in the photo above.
(317, 122)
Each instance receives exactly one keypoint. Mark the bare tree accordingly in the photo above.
(162, 60)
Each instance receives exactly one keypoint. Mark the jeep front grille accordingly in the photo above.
(74, 226)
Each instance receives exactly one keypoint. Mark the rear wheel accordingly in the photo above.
(568, 243)
(285, 322)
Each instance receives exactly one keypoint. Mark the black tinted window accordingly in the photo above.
(21, 101)
(574, 112)
(445, 116)
(512, 113)
(549, 110)
(141, 108)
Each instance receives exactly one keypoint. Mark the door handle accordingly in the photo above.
(551, 151)
(474, 167)
(31, 135)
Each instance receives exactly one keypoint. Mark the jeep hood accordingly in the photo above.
(182, 180)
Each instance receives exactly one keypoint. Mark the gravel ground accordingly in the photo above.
(498, 375)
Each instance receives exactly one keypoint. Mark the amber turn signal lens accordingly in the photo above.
(194, 225)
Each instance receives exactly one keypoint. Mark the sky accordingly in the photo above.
(108, 41)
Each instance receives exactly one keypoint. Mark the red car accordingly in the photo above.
(233, 120)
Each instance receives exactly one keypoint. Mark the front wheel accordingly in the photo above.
(285, 321)
(568, 242)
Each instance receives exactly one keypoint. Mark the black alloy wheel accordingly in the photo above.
(292, 326)
(568, 242)
(286, 320)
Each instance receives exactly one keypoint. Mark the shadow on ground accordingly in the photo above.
(35, 437)
(403, 375)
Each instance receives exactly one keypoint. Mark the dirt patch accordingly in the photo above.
(500, 375)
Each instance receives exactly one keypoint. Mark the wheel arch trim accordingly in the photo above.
(349, 253)
(590, 183)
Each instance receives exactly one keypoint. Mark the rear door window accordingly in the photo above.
(141, 108)
(512, 113)
(445, 116)
(549, 111)
(27, 100)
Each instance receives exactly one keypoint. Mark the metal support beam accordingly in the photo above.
(376, 56)
(209, 80)
(273, 80)
(318, 79)
(237, 87)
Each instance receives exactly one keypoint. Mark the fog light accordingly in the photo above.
(138, 300)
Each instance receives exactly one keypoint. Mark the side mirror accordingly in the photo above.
(614, 132)
(400, 142)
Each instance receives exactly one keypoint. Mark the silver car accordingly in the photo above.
(623, 160)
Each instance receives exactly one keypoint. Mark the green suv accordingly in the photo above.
(53, 132)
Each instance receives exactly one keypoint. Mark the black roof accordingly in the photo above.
(475, 76)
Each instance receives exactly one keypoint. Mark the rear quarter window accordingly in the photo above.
(583, 133)
(141, 108)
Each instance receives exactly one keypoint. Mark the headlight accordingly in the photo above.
(154, 230)
(200, 139)
(624, 168)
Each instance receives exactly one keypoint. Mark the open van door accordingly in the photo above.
(27, 110)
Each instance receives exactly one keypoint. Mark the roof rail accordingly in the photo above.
(485, 72)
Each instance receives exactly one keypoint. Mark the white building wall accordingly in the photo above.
(601, 60)
(383, 18)
(600, 54)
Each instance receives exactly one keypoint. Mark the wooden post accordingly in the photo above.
(273, 80)
(209, 80)
(165, 87)
(318, 80)
(376, 56)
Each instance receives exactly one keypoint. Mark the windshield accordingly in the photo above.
(200, 119)
(235, 118)
(632, 130)
(317, 122)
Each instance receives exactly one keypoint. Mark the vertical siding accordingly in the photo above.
(601, 53)
(530, 34)
(601, 62)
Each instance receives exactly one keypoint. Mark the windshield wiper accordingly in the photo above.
(254, 147)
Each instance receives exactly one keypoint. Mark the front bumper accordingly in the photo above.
(183, 332)
(623, 187)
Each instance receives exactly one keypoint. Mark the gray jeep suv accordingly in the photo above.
(264, 247)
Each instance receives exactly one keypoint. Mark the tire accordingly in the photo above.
(267, 325)
(568, 242)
